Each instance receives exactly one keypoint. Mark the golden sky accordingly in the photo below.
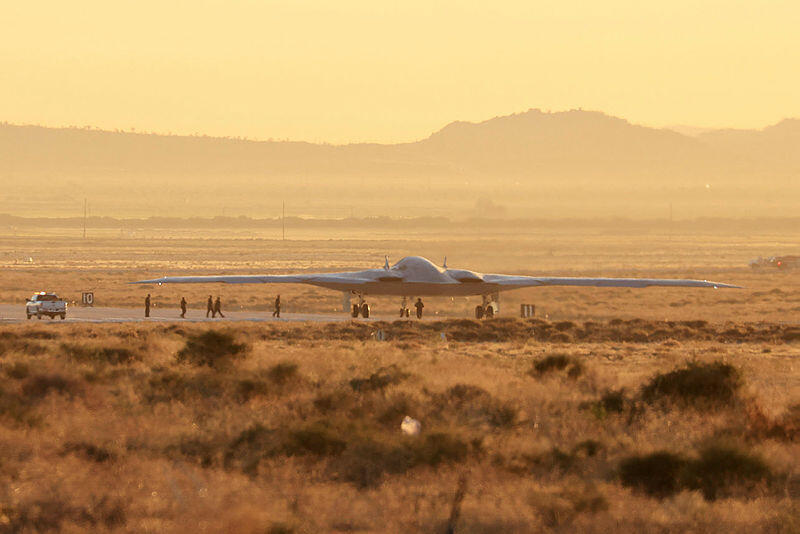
(371, 70)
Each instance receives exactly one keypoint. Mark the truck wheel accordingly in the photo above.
(63, 316)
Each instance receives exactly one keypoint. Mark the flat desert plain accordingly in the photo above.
(655, 410)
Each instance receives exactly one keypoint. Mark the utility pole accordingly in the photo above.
(85, 203)
(283, 220)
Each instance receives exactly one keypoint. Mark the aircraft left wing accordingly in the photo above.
(513, 282)
(313, 279)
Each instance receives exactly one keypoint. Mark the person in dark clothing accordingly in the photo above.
(419, 305)
(210, 307)
(147, 305)
(218, 307)
(277, 311)
(183, 307)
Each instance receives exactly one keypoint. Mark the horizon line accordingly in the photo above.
(676, 128)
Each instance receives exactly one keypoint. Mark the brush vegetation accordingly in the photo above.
(290, 428)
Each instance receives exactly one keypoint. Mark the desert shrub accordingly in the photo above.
(15, 408)
(657, 474)
(471, 405)
(88, 451)
(248, 388)
(439, 447)
(722, 468)
(316, 439)
(50, 515)
(697, 384)
(379, 380)
(110, 355)
(719, 470)
(365, 462)
(39, 386)
(246, 450)
(395, 407)
(332, 401)
(282, 373)
(588, 448)
(560, 337)
(280, 528)
(562, 326)
(17, 370)
(611, 401)
(791, 334)
(787, 427)
(759, 426)
(557, 362)
(559, 510)
(212, 348)
(170, 385)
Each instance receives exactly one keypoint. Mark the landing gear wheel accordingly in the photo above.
(479, 312)
(29, 316)
(489, 312)
(356, 310)
(365, 310)
(63, 316)
(408, 312)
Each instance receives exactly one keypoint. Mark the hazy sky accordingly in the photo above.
(367, 70)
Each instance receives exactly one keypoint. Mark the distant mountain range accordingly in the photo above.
(513, 160)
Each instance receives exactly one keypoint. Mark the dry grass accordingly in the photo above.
(296, 428)
(62, 262)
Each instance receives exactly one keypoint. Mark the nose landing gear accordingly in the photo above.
(362, 308)
(488, 308)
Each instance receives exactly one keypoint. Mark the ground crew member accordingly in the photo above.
(218, 307)
(147, 305)
(210, 307)
(183, 307)
(419, 305)
(277, 311)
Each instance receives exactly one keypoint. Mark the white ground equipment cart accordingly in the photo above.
(45, 305)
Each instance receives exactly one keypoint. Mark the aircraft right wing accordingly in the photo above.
(513, 282)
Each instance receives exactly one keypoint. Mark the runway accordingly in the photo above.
(14, 313)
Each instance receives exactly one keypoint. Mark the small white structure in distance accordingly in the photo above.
(410, 426)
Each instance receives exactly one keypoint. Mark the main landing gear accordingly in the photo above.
(362, 308)
(404, 311)
(488, 308)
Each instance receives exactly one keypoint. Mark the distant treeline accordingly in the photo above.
(764, 224)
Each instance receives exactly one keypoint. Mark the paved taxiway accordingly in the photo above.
(14, 313)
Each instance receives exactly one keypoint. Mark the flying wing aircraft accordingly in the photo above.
(414, 276)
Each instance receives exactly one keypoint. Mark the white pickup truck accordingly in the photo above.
(45, 304)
